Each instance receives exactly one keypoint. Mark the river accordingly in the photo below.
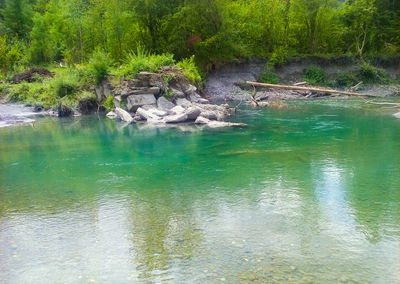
(307, 194)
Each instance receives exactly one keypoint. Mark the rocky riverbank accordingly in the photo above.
(165, 97)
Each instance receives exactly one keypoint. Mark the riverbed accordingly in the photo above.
(309, 193)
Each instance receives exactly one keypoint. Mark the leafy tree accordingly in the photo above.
(17, 16)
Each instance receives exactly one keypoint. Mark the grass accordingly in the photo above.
(190, 70)
(142, 60)
(99, 66)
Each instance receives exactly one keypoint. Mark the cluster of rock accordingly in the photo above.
(166, 97)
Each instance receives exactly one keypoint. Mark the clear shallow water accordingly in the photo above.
(309, 194)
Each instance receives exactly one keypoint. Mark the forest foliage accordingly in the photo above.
(40, 32)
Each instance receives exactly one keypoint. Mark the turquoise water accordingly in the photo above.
(307, 194)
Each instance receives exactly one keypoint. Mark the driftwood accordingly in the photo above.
(299, 88)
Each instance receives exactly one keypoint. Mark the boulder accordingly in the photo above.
(65, 111)
(112, 115)
(147, 114)
(183, 103)
(103, 90)
(189, 89)
(177, 109)
(141, 91)
(195, 98)
(136, 101)
(123, 115)
(177, 93)
(158, 112)
(201, 120)
(216, 124)
(117, 101)
(212, 115)
(397, 115)
(192, 113)
(181, 117)
(164, 104)
(135, 83)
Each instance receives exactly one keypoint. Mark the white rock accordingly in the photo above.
(183, 102)
(164, 104)
(148, 115)
(177, 109)
(190, 90)
(195, 98)
(397, 115)
(112, 115)
(158, 112)
(123, 115)
(202, 120)
(212, 115)
(192, 113)
(181, 117)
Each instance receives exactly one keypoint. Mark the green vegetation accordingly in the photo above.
(190, 70)
(99, 66)
(142, 60)
(371, 75)
(109, 104)
(95, 39)
(269, 77)
(315, 76)
(346, 79)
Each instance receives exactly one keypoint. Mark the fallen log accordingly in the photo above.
(299, 88)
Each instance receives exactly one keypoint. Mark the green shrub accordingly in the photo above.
(10, 54)
(190, 70)
(314, 76)
(269, 77)
(141, 60)
(65, 84)
(99, 66)
(346, 79)
(278, 58)
(109, 104)
(371, 75)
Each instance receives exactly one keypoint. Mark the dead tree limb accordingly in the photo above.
(319, 90)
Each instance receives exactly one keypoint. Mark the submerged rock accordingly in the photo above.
(112, 115)
(397, 114)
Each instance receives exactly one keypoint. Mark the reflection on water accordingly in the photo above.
(310, 194)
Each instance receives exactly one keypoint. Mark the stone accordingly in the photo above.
(123, 115)
(190, 89)
(134, 83)
(112, 115)
(103, 90)
(212, 115)
(117, 101)
(177, 93)
(177, 109)
(65, 111)
(147, 114)
(180, 117)
(164, 104)
(195, 98)
(141, 91)
(201, 120)
(136, 101)
(158, 112)
(397, 115)
(183, 103)
(192, 113)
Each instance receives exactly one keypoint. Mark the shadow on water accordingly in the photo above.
(306, 194)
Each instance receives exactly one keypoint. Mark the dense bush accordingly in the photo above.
(314, 76)
(99, 66)
(190, 70)
(269, 77)
(371, 75)
(65, 84)
(109, 103)
(346, 79)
